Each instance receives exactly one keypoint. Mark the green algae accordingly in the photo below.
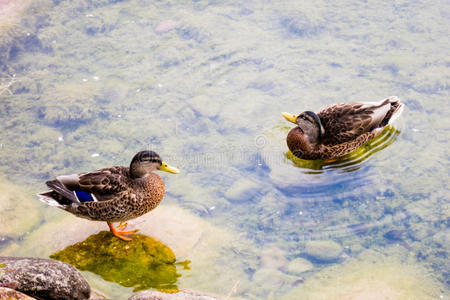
(142, 263)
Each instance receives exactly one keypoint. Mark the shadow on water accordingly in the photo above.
(142, 263)
(350, 162)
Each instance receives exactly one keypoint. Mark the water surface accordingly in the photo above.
(203, 83)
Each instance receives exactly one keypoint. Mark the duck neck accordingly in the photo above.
(137, 171)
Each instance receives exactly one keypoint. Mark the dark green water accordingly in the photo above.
(203, 83)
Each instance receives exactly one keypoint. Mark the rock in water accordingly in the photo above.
(182, 295)
(165, 26)
(9, 294)
(43, 278)
(299, 265)
(142, 263)
(323, 251)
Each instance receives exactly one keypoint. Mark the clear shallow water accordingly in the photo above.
(96, 82)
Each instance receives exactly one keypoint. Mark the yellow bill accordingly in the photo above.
(290, 117)
(165, 167)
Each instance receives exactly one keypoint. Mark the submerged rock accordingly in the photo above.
(396, 236)
(10, 294)
(165, 26)
(14, 206)
(69, 103)
(370, 277)
(43, 278)
(299, 265)
(142, 263)
(181, 295)
(242, 190)
(323, 251)
(189, 236)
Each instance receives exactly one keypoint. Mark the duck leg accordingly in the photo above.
(122, 226)
(119, 232)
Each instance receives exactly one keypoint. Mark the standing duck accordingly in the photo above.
(112, 194)
(338, 129)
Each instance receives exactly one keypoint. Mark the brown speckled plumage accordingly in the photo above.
(120, 198)
(338, 129)
(112, 194)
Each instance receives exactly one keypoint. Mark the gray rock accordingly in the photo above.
(181, 295)
(43, 278)
(323, 251)
(9, 294)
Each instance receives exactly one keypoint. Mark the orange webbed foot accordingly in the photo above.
(119, 231)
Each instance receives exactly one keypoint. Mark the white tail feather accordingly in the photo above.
(48, 200)
(397, 113)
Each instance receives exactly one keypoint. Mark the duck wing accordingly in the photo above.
(101, 185)
(346, 121)
(105, 181)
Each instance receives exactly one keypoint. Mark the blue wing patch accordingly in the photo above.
(84, 197)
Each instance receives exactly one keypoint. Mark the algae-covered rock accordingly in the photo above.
(11, 28)
(189, 236)
(141, 263)
(323, 251)
(69, 102)
(15, 204)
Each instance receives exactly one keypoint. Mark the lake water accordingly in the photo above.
(87, 84)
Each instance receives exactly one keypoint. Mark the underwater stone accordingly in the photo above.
(43, 278)
(205, 105)
(241, 191)
(273, 257)
(10, 294)
(12, 214)
(69, 103)
(270, 277)
(141, 263)
(189, 237)
(300, 25)
(165, 26)
(371, 276)
(323, 251)
(182, 295)
(299, 265)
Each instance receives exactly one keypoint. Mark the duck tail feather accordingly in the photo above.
(397, 109)
(61, 193)
(47, 198)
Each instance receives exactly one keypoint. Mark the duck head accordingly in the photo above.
(145, 162)
(308, 133)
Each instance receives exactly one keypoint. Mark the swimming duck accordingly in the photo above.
(114, 194)
(338, 129)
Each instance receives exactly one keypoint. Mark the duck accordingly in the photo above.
(339, 129)
(114, 194)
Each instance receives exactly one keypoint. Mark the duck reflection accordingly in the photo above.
(350, 162)
(142, 263)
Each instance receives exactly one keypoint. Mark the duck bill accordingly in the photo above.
(165, 167)
(290, 117)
